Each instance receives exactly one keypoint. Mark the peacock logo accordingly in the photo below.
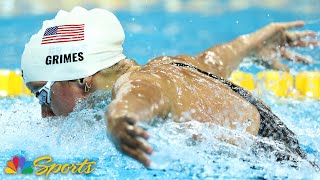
(25, 166)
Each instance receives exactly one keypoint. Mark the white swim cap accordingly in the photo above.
(73, 45)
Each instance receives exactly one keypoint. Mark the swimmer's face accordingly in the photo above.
(64, 96)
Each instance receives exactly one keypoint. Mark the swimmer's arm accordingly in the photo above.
(138, 100)
(267, 43)
(222, 59)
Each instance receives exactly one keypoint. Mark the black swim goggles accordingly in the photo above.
(44, 94)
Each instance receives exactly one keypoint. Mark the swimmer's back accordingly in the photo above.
(193, 93)
(234, 100)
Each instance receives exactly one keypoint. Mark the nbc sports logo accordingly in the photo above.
(44, 166)
(13, 166)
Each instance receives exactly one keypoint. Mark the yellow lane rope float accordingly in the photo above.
(281, 84)
(11, 84)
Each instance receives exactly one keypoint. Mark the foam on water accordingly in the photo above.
(177, 154)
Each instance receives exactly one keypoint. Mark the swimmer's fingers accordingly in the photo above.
(137, 132)
(277, 65)
(135, 147)
(300, 34)
(136, 139)
(136, 154)
(129, 139)
(305, 43)
(292, 56)
(139, 144)
(289, 25)
(295, 38)
(273, 29)
(136, 143)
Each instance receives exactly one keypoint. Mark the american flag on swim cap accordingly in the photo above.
(63, 33)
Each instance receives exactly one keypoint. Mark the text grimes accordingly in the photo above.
(64, 58)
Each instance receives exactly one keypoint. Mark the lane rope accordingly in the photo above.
(281, 84)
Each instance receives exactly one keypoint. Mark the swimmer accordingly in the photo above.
(73, 56)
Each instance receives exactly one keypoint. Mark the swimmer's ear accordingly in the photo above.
(85, 83)
(81, 81)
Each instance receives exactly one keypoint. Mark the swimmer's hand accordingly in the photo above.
(129, 138)
(272, 42)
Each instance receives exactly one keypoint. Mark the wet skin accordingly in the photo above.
(159, 89)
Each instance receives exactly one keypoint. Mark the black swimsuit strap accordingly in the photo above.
(270, 124)
(241, 91)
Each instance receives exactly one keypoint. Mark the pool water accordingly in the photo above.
(150, 34)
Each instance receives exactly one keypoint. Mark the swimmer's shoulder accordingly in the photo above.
(155, 68)
(184, 58)
(170, 59)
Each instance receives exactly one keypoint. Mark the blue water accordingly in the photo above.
(150, 34)
(157, 33)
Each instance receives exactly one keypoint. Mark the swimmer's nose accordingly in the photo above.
(46, 112)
